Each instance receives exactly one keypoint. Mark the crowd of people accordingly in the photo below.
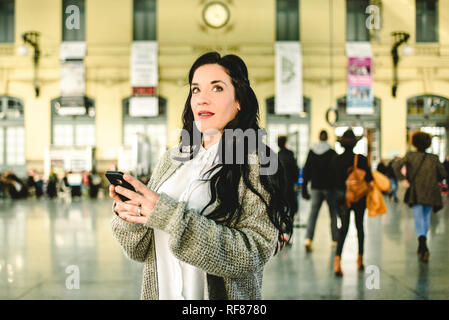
(421, 173)
(70, 185)
(325, 171)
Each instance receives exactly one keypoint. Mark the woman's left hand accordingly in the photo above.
(142, 201)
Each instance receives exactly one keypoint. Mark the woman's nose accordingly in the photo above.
(203, 98)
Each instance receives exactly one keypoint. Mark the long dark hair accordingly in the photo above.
(225, 182)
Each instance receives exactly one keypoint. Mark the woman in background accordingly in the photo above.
(341, 165)
(424, 171)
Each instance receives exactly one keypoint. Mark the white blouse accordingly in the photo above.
(178, 280)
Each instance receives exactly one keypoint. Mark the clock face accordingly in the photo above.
(216, 14)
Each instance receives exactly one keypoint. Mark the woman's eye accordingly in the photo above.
(195, 90)
(217, 88)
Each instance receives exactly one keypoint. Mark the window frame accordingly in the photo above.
(426, 118)
(149, 7)
(290, 119)
(6, 16)
(366, 120)
(421, 36)
(9, 122)
(87, 119)
(355, 12)
(291, 10)
(160, 119)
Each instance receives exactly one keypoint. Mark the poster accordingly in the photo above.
(360, 98)
(144, 64)
(288, 78)
(72, 81)
(72, 78)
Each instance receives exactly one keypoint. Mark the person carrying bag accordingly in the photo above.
(423, 191)
(352, 176)
(411, 188)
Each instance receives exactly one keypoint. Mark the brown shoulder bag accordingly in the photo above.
(356, 186)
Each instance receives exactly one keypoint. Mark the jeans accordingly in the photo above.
(422, 219)
(344, 214)
(318, 196)
(394, 187)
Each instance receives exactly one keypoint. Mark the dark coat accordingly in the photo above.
(341, 164)
(291, 170)
(382, 168)
(426, 181)
(318, 170)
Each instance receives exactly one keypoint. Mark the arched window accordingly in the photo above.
(271, 110)
(73, 126)
(12, 135)
(295, 126)
(153, 129)
(341, 106)
(430, 113)
(370, 145)
(427, 105)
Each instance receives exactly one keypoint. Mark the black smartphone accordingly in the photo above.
(116, 178)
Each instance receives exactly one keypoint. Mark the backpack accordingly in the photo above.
(356, 186)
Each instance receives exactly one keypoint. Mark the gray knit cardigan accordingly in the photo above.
(233, 257)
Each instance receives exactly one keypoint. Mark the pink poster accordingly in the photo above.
(360, 93)
(359, 72)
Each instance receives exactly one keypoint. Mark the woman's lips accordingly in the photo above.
(205, 114)
(205, 117)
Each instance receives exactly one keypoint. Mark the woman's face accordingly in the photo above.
(213, 98)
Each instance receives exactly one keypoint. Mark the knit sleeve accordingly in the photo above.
(134, 238)
(220, 250)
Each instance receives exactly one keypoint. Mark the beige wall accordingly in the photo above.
(182, 36)
(252, 21)
(109, 23)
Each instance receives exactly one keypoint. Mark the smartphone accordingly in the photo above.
(116, 178)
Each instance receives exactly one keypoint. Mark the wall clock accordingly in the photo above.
(216, 14)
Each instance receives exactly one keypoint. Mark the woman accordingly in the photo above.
(204, 227)
(424, 171)
(341, 166)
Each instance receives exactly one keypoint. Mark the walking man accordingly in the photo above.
(317, 171)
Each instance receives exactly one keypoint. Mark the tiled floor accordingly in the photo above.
(45, 245)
